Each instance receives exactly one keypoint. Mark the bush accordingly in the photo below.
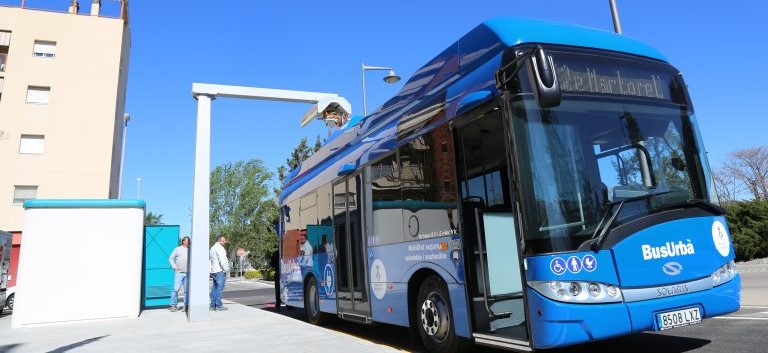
(270, 274)
(748, 222)
(252, 274)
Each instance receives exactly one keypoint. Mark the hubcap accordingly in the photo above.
(434, 317)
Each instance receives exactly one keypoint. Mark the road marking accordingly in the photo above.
(741, 318)
(754, 307)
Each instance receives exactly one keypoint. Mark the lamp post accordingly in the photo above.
(390, 78)
(138, 188)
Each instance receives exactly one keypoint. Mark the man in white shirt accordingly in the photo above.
(305, 255)
(178, 260)
(219, 270)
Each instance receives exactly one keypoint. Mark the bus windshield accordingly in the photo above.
(595, 150)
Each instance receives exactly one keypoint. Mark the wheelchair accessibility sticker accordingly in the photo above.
(558, 266)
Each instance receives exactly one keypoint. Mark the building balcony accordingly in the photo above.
(3, 61)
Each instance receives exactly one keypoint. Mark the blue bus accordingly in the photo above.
(535, 185)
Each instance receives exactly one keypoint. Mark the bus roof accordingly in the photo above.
(514, 31)
(465, 66)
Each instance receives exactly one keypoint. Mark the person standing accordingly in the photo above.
(178, 260)
(219, 270)
(275, 262)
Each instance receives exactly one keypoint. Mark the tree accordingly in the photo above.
(300, 153)
(750, 167)
(243, 208)
(151, 219)
(727, 186)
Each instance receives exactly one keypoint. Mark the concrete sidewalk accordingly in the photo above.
(240, 328)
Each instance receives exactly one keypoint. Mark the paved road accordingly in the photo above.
(754, 283)
(745, 331)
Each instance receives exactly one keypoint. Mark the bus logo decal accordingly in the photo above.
(328, 279)
(574, 264)
(720, 237)
(557, 265)
(672, 268)
(669, 249)
(378, 279)
(589, 262)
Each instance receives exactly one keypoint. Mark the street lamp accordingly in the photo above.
(138, 188)
(390, 78)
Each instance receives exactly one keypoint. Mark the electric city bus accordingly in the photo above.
(535, 185)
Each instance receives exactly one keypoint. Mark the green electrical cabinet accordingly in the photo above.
(159, 242)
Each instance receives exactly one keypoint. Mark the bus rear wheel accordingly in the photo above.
(434, 318)
(312, 303)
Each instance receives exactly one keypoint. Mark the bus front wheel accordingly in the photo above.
(312, 303)
(434, 318)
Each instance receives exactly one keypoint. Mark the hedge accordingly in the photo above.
(748, 223)
(267, 274)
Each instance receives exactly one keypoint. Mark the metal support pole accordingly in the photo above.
(362, 73)
(126, 119)
(199, 266)
(615, 15)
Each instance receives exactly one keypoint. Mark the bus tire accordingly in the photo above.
(312, 303)
(434, 318)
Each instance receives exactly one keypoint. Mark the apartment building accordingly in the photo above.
(63, 77)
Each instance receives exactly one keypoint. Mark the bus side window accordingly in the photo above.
(429, 186)
(386, 202)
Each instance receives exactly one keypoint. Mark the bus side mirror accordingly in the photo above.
(541, 70)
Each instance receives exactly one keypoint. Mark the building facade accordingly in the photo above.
(63, 78)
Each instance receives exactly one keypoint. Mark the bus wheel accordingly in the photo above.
(312, 303)
(434, 318)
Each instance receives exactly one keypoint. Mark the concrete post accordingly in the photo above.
(95, 7)
(199, 266)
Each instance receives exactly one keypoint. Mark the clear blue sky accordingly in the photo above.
(319, 46)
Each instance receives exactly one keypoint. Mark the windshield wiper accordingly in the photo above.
(600, 239)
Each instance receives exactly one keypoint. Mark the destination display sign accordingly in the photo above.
(615, 77)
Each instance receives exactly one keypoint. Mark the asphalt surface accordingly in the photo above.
(745, 331)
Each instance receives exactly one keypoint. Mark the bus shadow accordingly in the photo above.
(399, 337)
(384, 334)
(640, 342)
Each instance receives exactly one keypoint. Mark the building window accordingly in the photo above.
(5, 43)
(23, 193)
(44, 49)
(32, 144)
(38, 95)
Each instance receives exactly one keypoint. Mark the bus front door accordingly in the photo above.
(489, 231)
(352, 295)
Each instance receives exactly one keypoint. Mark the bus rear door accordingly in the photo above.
(352, 294)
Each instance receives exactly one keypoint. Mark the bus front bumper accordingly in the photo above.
(555, 324)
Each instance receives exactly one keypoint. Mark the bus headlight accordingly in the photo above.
(724, 274)
(594, 289)
(578, 292)
(575, 289)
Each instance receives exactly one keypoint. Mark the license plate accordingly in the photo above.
(677, 318)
